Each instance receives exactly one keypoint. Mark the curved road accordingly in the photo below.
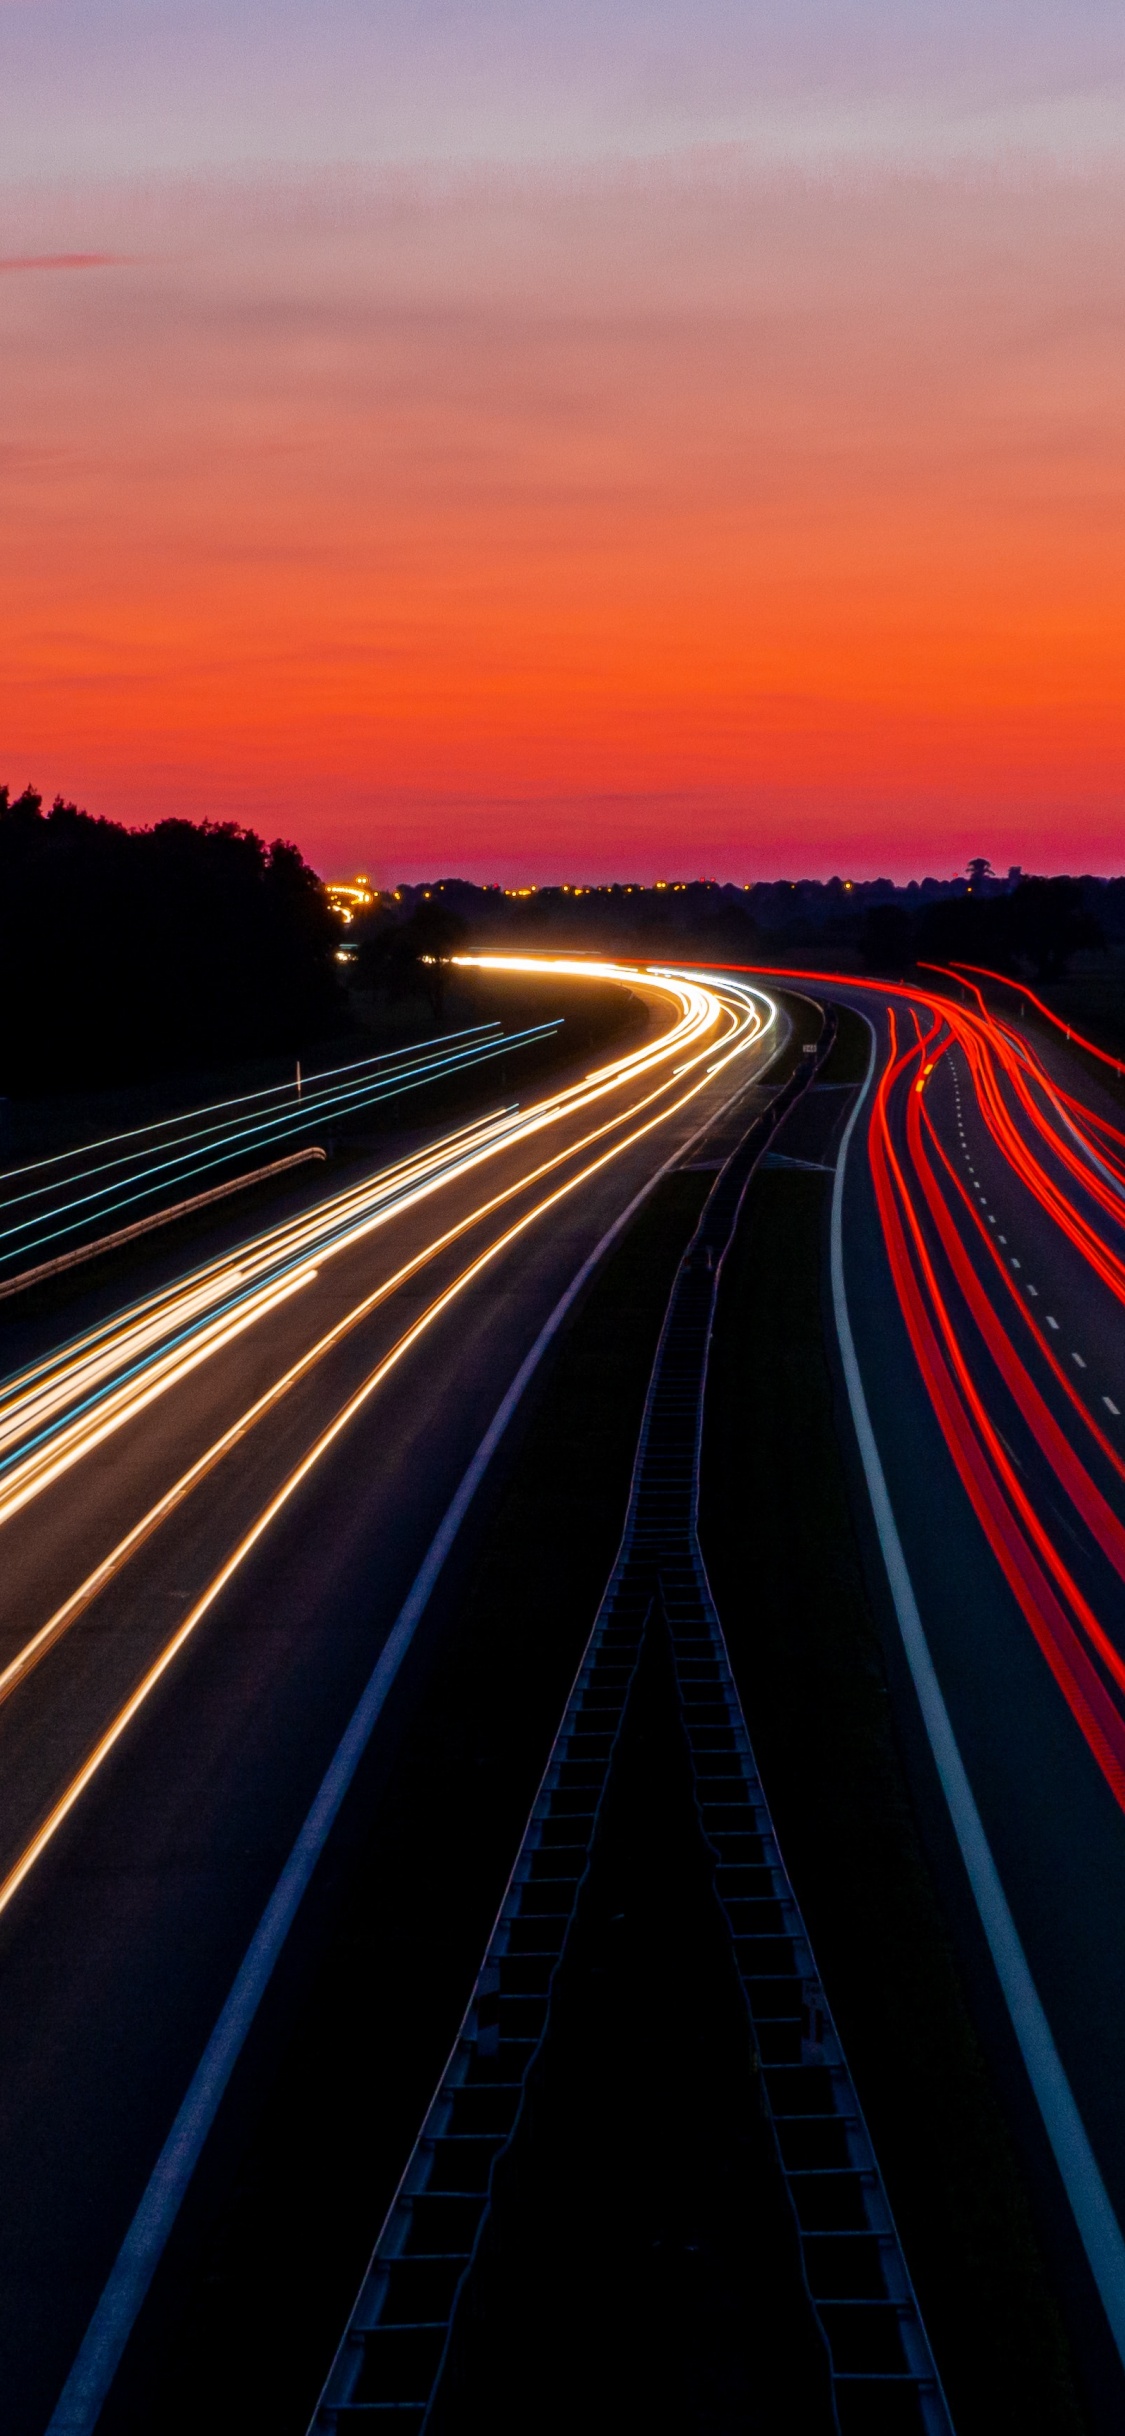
(212, 1507)
(980, 1278)
(980, 1298)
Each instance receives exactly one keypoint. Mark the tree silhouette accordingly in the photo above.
(886, 941)
(410, 958)
(130, 952)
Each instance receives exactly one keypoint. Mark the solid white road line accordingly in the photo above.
(1093, 2213)
(79, 2405)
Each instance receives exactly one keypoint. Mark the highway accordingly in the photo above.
(83, 1194)
(979, 1297)
(213, 1504)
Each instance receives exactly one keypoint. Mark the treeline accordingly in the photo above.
(1032, 929)
(1019, 923)
(132, 953)
(127, 953)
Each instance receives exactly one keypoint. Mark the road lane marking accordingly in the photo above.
(126, 1403)
(84, 1776)
(1111, 1407)
(377, 1202)
(79, 2405)
(51, 1632)
(1052, 1323)
(1076, 1357)
(1093, 2213)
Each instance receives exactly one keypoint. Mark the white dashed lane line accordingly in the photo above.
(1052, 1322)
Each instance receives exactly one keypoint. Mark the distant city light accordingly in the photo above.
(348, 897)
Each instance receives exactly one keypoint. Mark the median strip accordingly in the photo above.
(144, 1226)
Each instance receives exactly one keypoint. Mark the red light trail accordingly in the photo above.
(1056, 1609)
(959, 1300)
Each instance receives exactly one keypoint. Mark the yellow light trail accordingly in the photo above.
(81, 1368)
(90, 1767)
(39, 1398)
(49, 1633)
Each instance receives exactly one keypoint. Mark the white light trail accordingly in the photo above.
(54, 1413)
(751, 1023)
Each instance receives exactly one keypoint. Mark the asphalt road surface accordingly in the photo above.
(212, 1507)
(982, 1265)
(981, 1286)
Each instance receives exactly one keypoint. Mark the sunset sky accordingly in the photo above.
(537, 441)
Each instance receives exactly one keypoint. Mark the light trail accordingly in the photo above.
(1096, 1513)
(214, 1146)
(138, 1133)
(128, 1402)
(55, 1413)
(1054, 1150)
(1043, 1585)
(1002, 1274)
(993, 1061)
(49, 1633)
(79, 1368)
(1060, 1615)
(1071, 1034)
(750, 1023)
(1022, 1066)
(998, 1056)
(211, 1108)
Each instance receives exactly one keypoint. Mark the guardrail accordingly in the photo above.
(144, 1226)
(397, 2344)
(66, 1195)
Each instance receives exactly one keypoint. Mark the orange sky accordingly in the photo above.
(676, 518)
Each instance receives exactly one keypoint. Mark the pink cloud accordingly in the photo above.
(60, 262)
(730, 522)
